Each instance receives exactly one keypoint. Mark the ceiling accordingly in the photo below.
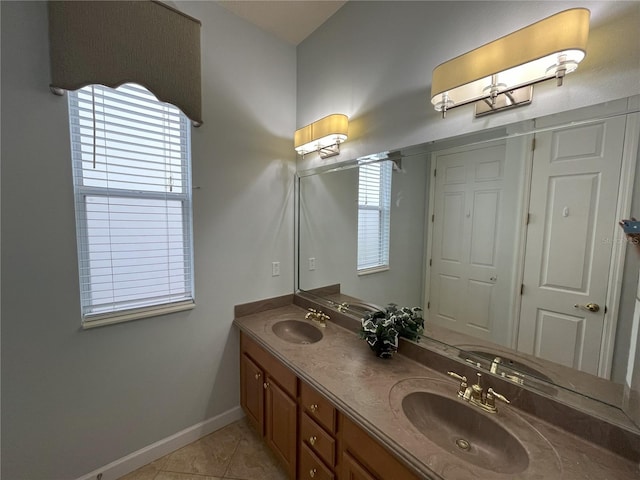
(290, 20)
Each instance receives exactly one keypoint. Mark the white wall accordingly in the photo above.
(75, 400)
(373, 61)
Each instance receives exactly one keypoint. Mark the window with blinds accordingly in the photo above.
(374, 209)
(132, 184)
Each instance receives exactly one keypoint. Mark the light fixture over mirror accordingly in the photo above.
(501, 74)
(323, 136)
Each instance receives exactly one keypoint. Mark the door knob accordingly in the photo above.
(589, 307)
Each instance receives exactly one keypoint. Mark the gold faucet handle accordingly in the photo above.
(491, 393)
(457, 376)
(463, 383)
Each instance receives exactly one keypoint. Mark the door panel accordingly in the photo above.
(570, 227)
(484, 228)
(574, 191)
(281, 425)
(452, 223)
(471, 258)
(251, 392)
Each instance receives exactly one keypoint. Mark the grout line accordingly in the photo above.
(235, 450)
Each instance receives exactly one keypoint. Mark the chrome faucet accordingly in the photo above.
(318, 317)
(475, 394)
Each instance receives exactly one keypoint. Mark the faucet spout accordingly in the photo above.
(476, 395)
(318, 317)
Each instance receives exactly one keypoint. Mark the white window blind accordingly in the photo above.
(132, 183)
(374, 208)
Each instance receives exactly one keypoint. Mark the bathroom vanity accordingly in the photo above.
(330, 409)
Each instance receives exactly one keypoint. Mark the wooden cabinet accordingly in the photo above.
(304, 430)
(268, 394)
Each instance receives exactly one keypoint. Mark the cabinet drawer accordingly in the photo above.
(369, 454)
(277, 371)
(311, 467)
(319, 441)
(318, 407)
(352, 470)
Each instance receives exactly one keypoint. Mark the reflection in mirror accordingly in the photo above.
(513, 252)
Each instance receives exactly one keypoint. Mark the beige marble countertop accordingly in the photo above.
(368, 390)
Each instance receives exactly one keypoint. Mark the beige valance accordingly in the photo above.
(116, 42)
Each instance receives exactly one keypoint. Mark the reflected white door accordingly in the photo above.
(574, 191)
(470, 278)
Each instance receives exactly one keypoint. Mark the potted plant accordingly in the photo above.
(381, 328)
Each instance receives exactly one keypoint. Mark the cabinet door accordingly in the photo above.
(252, 392)
(281, 414)
(352, 470)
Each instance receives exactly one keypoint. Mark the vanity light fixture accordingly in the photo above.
(501, 74)
(323, 136)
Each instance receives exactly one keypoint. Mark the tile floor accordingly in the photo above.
(235, 452)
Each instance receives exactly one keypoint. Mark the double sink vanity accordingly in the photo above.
(330, 409)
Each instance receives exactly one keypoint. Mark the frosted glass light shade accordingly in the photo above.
(327, 131)
(546, 49)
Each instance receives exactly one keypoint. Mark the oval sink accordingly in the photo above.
(458, 440)
(297, 331)
(463, 431)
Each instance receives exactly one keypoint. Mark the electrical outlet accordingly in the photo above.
(275, 269)
(312, 263)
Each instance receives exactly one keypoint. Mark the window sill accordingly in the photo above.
(102, 320)
(369, 271)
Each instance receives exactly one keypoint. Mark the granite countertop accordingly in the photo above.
(369, 390)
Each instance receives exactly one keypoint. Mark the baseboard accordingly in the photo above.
(150, 453)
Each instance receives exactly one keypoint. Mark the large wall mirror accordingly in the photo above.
(508, 239)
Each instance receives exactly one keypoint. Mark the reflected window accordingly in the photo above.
(132, 183)
(374, 209)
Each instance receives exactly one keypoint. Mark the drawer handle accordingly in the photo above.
(313, 439)
(257, 376)
(265, 385)
(314, 408)
(312, 472)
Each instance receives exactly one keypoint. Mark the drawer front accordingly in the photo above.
(311, 467)
(372, 456)
(318, 440)
(318, 408)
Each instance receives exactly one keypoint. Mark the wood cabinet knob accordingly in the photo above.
(265, 385)
(312, 472)
(313, 439)
(313, 408)
(257, 376)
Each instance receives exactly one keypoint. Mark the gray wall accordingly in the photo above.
(74, 400)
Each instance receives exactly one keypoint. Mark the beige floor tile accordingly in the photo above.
(183, 476)
(209, 455)
(253, 460)
(235, 452)
(148, 472)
